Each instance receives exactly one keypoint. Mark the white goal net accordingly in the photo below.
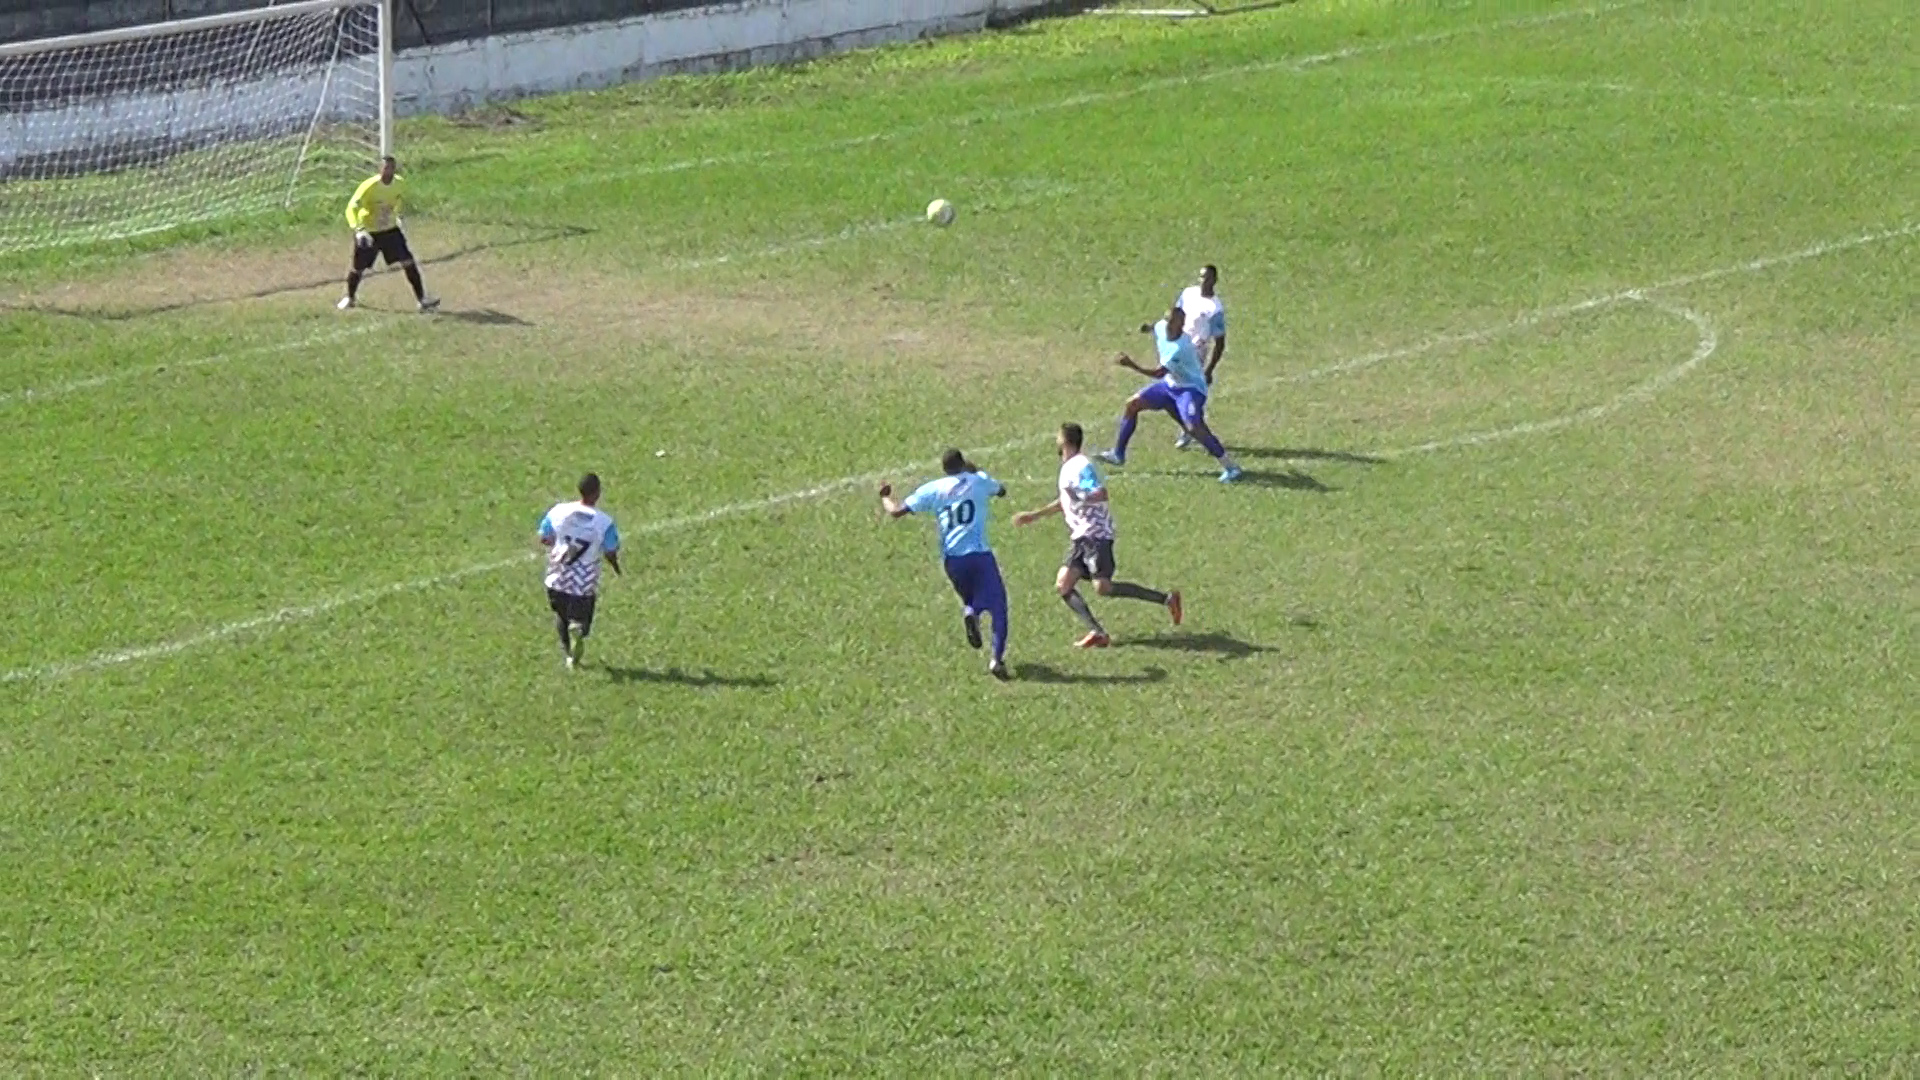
(122, 132)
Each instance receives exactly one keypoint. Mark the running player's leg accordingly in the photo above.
(1104, 584)
(581, 615)
(1066, 583)
(393, 247)
(991, 598)
(557, 602)
(1193, 417)
(364, 253)
(1157, 397)
(963, 577)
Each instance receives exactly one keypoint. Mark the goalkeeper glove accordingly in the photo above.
(362, 238)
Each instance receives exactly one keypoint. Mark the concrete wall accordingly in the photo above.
(439, 78)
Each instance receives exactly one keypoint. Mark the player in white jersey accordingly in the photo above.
(577, 536)
(1083, 502)
(1206, 326)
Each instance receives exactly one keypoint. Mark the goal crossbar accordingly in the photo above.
(117, 35)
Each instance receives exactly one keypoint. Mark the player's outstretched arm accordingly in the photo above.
(1128, 362)
(1031, 516)
(613, 560)
(889, 505)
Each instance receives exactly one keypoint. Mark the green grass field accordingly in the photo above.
(1547, 701)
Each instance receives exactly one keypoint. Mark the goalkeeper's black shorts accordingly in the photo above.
(388, 244)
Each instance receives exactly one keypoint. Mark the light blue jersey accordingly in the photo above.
(1181, 359)
(961, 503)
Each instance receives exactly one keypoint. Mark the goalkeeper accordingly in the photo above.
(374, 215)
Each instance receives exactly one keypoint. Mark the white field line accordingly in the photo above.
(94, 382)
(1561, 311)
(987, 205)
(283, 616)
(787, 247)
(1298, 63)
(1700, 93)
(1708, 345)
(854, 232)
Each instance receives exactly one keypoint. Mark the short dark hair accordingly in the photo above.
(1210, 269)
(386, 159)
(1073, 435)
(955, 463)
(590, 486)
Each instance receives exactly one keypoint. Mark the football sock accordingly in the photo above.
(353, 282)
(413, 279)
(1127, 590)
(1127, 424)
(1212, 443)
(999, 632)
(1079, 605)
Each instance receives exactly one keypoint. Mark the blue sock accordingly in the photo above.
(1127, 424)
(1212, 443)
(999, 632)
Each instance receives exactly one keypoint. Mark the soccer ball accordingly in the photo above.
(940, 212)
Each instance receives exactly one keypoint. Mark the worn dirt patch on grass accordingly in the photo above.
(225, 272)
(596, 321)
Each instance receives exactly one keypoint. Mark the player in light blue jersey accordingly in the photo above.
(1207, 325)
(959, 502)
(1181, 392)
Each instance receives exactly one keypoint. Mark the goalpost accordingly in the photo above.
(116, 133)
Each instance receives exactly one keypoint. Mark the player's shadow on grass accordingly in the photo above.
(1216, 643)
(485, 317)
(1291, 479)
(1046, 673)
(1301, 453)
(675, 677)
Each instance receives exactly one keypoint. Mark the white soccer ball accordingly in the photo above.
(940, 212)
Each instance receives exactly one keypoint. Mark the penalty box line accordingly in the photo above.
(94, 382)
(288, 615)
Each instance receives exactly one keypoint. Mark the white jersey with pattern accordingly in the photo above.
(578, 536)
(1085, 520)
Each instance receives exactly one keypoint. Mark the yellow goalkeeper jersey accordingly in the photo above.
(375, 206)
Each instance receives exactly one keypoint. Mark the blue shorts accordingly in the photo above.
(976, 578)
(1187, 404)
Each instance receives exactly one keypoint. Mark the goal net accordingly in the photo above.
(122, 132)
